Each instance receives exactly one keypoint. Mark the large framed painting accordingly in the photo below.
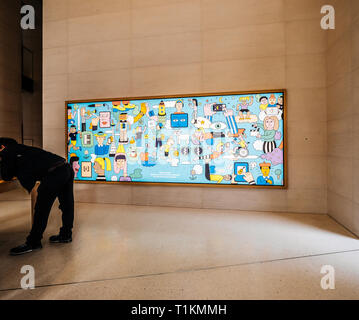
(233, 139)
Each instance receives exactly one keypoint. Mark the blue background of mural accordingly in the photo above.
(149, 160)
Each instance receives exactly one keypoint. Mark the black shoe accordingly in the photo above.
(24, 248)
(60, 239)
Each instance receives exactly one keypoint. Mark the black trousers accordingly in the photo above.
(56, 184)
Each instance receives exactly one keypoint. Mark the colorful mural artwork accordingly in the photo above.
(219, 139)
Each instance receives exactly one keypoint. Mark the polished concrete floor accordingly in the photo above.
(136, 252)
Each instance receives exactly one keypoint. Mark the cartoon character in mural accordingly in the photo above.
(101, 165)
(243, 107)
(138, 135)
(74, 163)
(159, 135)
(211, 175)
(194, 105)
(102, 149)
(280, 106)
(94, 122)
(269, 126)
(120, 163)
(72, 138)
(167, 147)
(147, 159)
(179, 119)
(124, 124)
(132, 151)
(271, 109)
(265, 179)
(112, 143)
(263, 103)
(272, 101)
(84, 117)
(241, 148)
(179, 106)
(71, 115)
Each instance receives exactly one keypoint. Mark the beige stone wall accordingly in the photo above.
(343, 115)
(10, 69)
(17, 106)
(10, 74)
(32, 102)
(118, 48)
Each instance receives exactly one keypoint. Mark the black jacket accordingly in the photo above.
(28, 164)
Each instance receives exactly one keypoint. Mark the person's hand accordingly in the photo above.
(248, 177)
(208, 111)
(258, 135)
(227, 112)
(234, 179)
(269, 181)
(2, 147)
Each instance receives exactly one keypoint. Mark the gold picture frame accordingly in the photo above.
(207, 94)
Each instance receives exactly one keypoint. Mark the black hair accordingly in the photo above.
(7, 141)
(196, 102)
(73, 159)
(261, 98)
(120, 156)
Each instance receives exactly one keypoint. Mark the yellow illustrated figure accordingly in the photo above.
(263, 103)
(72, 138)
(265, 168)
(265, 179)
(162, 109)
(100, 165)
(241, 135)
(161, 118)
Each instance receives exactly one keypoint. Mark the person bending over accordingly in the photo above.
(28, 165)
